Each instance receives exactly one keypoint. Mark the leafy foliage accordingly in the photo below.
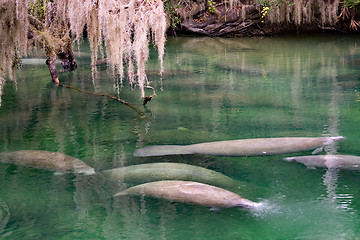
(351, 3)
(170, 9)
(211, 7)
(38, 9)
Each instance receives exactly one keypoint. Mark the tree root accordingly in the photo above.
(226, 22)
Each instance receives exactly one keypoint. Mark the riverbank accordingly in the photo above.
(219, 19)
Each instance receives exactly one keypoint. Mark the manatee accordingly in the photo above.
(241, 147)
(58, 162)
(189, 192)
(168, 171)
(328, 161)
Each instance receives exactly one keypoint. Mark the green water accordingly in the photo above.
(212, 89)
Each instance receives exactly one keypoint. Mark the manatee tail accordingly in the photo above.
(329, 141)
(89, 171)
(162, 150)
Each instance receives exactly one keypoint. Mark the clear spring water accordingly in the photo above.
(212, 89)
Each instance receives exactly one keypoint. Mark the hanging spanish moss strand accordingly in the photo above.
(305, 12)
(14, 26)
(125, 27)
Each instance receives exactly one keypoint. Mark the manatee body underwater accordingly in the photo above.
(150, 172)
(54, 161)
(347, 162)
(189, 192)
(241, 147)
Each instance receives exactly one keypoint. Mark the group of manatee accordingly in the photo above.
(186, 183)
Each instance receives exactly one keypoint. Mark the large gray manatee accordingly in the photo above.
(241, 147)
(58, 162)
(149, 172)
(191, 193)
(328, 161)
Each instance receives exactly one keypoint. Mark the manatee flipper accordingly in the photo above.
(317, 150)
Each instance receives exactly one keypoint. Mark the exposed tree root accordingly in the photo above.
(240, 21)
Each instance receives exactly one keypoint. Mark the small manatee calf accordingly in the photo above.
(58, 162)
(150, 172)
(328, 161)
(241, 147)
(189, 192)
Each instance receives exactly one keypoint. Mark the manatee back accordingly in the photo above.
(191, 193)
(162, 150)
(54, 161)
(168, 171)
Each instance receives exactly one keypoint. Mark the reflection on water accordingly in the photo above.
(4, 215)
(330, 177)
(211, 90)
(2, 83)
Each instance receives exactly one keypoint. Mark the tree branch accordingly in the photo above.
(148, 99)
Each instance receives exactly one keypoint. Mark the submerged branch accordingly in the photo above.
(148, 99)
(143, 115)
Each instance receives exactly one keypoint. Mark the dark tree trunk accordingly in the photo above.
(67, 60)
(50, 61)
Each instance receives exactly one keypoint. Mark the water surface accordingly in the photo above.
(212, 89)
